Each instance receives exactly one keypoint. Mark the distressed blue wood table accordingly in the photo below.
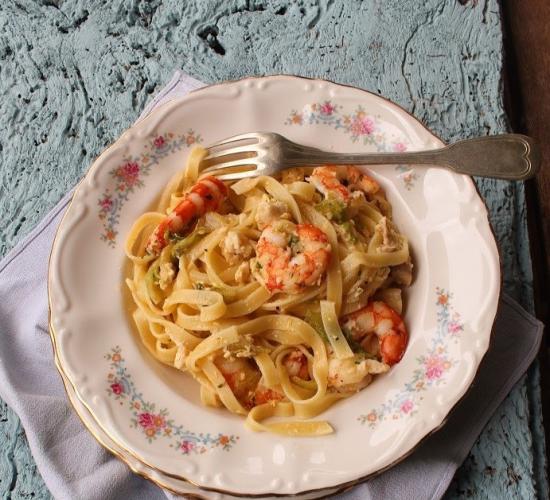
(74, 74)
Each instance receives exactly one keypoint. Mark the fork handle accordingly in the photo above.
(506, 156)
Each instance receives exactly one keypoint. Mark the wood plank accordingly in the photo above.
(528, 104)
(527, 47)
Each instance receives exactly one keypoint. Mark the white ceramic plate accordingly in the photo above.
(153, 412)
(172, 484)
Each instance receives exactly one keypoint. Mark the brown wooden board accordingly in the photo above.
(527, 95)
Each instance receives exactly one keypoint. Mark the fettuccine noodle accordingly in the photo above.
(279, 296)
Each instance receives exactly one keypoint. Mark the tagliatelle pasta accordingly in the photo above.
(279, 296)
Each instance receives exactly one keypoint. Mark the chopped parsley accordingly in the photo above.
(184, 243)
(199, 286)
(152, 277)
(355, 346)
(349, 228)
(156, 273)
(294, 244)
(293, 240)
(333, 210)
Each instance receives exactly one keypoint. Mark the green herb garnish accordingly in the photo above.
(184, 243)
(333, 210)
(349, 228)
(152, 278)
(295, 244)
(355, 346)
(294, 240)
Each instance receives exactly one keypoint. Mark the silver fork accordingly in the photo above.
(507, 156)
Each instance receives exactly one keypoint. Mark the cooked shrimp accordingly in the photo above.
(264, 395)
(337, 182)
(352, 374)
(244, 380)
(380, 330)
(295, 174)
(296, 364)
(205, 195)
(292, 257)
(359, 180)
(242, 377)
(327, 181)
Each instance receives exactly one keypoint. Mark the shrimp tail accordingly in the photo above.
(205, 196)
(379, 319)
(392, 347)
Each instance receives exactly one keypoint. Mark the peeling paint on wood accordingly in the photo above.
(74, 74)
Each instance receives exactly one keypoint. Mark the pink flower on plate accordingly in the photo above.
(327, 108)
(406, 406)
(399, 147)
(146, 420)
(159, 142)
(128, 174)
(362, 126)
(106, 203)
(455, 327)
(434, 366)
(117, 388)
(187, 446)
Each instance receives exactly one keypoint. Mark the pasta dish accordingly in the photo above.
(279, 296)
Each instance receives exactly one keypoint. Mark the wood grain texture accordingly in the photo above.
(75, 74)
(527, 77)
(527, 73)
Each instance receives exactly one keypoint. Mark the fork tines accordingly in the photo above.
(236, 156)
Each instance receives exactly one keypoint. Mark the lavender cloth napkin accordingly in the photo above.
(74, 465)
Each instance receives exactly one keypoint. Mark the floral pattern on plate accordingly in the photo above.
(156, 423)
(431, 370)
(359, 125)
(106, 319)
(128, 177)
(408, 176)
